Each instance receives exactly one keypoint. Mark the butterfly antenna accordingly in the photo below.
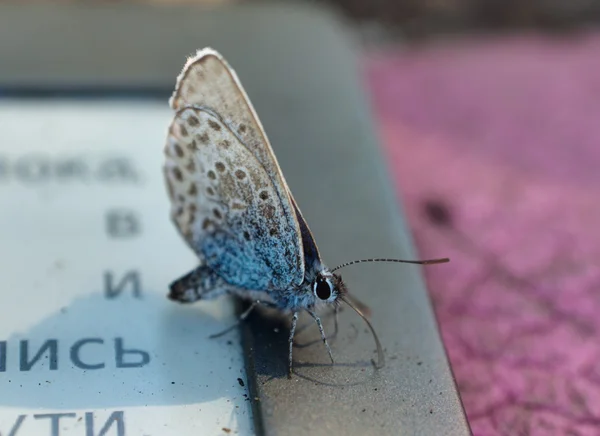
(418, 262)
(380, 357)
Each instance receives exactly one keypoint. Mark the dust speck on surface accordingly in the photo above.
(241, 382)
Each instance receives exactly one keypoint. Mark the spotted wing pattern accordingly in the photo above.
(228, 207)
(208, 80)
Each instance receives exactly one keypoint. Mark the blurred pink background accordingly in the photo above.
(494, 144)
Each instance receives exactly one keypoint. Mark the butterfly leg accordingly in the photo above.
(291, 342)
(336, 311)
(240, 320)
(318, 321)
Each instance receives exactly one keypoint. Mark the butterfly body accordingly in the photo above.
(203, 283)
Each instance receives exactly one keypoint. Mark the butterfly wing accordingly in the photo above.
(312, 258)
(228, 207)
(207, 80)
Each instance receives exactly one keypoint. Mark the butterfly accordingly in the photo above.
(231, 204)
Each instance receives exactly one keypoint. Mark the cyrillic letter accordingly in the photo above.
(55, 419)
(16, 426)
(111, 290)
(2, 356)
(73, 168)
(120, 352)
(115, 417)
(50, 344)
(122, 223)
(76, 359)
(119, 169)
(33, 169)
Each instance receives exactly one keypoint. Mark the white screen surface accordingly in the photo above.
(89, 343)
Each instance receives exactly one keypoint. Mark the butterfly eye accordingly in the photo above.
(322, 289)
